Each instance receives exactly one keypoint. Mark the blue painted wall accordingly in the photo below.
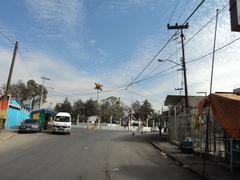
(16, 114)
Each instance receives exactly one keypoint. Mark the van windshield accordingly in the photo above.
(62, 119)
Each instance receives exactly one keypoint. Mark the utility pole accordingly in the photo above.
(41, 98)
(181, 27)
(11, 69)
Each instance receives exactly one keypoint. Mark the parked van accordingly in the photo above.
(62, 123)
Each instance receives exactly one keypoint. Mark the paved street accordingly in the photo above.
(85, 155)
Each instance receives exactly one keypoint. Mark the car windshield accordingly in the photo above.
(62, 119)
(30, 121)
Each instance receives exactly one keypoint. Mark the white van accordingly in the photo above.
(62, 123)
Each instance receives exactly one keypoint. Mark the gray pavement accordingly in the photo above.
(213, 170)
(6, 134)
(85, 155)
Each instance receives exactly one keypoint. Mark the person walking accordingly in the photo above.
(160, 129)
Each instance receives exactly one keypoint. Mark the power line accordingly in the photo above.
(25, 64)
(218, 49)
(191, 61)
(164, 46)
(88, 94)
(186, 6)
(174, 9)
(138, 94)
(155, 75)
(6, 37)
(203, 27)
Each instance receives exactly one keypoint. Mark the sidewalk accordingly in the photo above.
(6, 134)
(192, 162)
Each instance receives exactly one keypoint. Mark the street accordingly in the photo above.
(85, 155)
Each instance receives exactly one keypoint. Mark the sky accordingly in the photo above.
(76, 43)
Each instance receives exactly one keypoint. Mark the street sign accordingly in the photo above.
(235, 15)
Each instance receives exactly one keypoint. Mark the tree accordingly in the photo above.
(91, 108)
(34, 92)
(31, 90)
(63, 107)
(78, 109)
(136, 110)
(146, 111)
(19, 90)
(112, 107)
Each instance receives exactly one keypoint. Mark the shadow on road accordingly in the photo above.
(132, 138)
(143, 172)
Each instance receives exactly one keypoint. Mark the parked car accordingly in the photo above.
(30, 125)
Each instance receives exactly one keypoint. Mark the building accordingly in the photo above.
(17, 112)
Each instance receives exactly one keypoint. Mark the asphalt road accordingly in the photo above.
(86, 155)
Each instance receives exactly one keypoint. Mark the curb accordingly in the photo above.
(177, 161)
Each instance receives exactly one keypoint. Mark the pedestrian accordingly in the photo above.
(160, 129)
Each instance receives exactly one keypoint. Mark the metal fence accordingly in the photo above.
(221, 147)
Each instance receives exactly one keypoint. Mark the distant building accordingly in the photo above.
(92, 119)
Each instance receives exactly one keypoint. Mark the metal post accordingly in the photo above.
(231, 154)
(208, 113)
(175, 119)
(99, 120)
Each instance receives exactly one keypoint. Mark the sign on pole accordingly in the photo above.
(235, 15)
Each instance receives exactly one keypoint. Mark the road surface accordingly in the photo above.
(86, 155)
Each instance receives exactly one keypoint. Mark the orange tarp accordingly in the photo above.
(225, 109)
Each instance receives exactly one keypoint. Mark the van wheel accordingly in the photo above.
(68, 133)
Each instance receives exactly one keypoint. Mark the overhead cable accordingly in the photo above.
(150, 62)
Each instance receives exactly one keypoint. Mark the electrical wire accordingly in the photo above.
(218, 49)
(138, 94)
(150, 62)
(193, 36)
(25, 64)
(6, 37)
(190, 61)
(174, 9)
(186, 5)
(203, 27)
(155, 75)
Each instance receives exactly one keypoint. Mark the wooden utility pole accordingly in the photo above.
(5, 97)
(181, 27)
(11, 69)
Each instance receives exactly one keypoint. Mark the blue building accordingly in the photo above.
(17, 112)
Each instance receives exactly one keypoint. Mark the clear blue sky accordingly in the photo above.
(79, 42)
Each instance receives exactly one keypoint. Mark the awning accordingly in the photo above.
(226, 111)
